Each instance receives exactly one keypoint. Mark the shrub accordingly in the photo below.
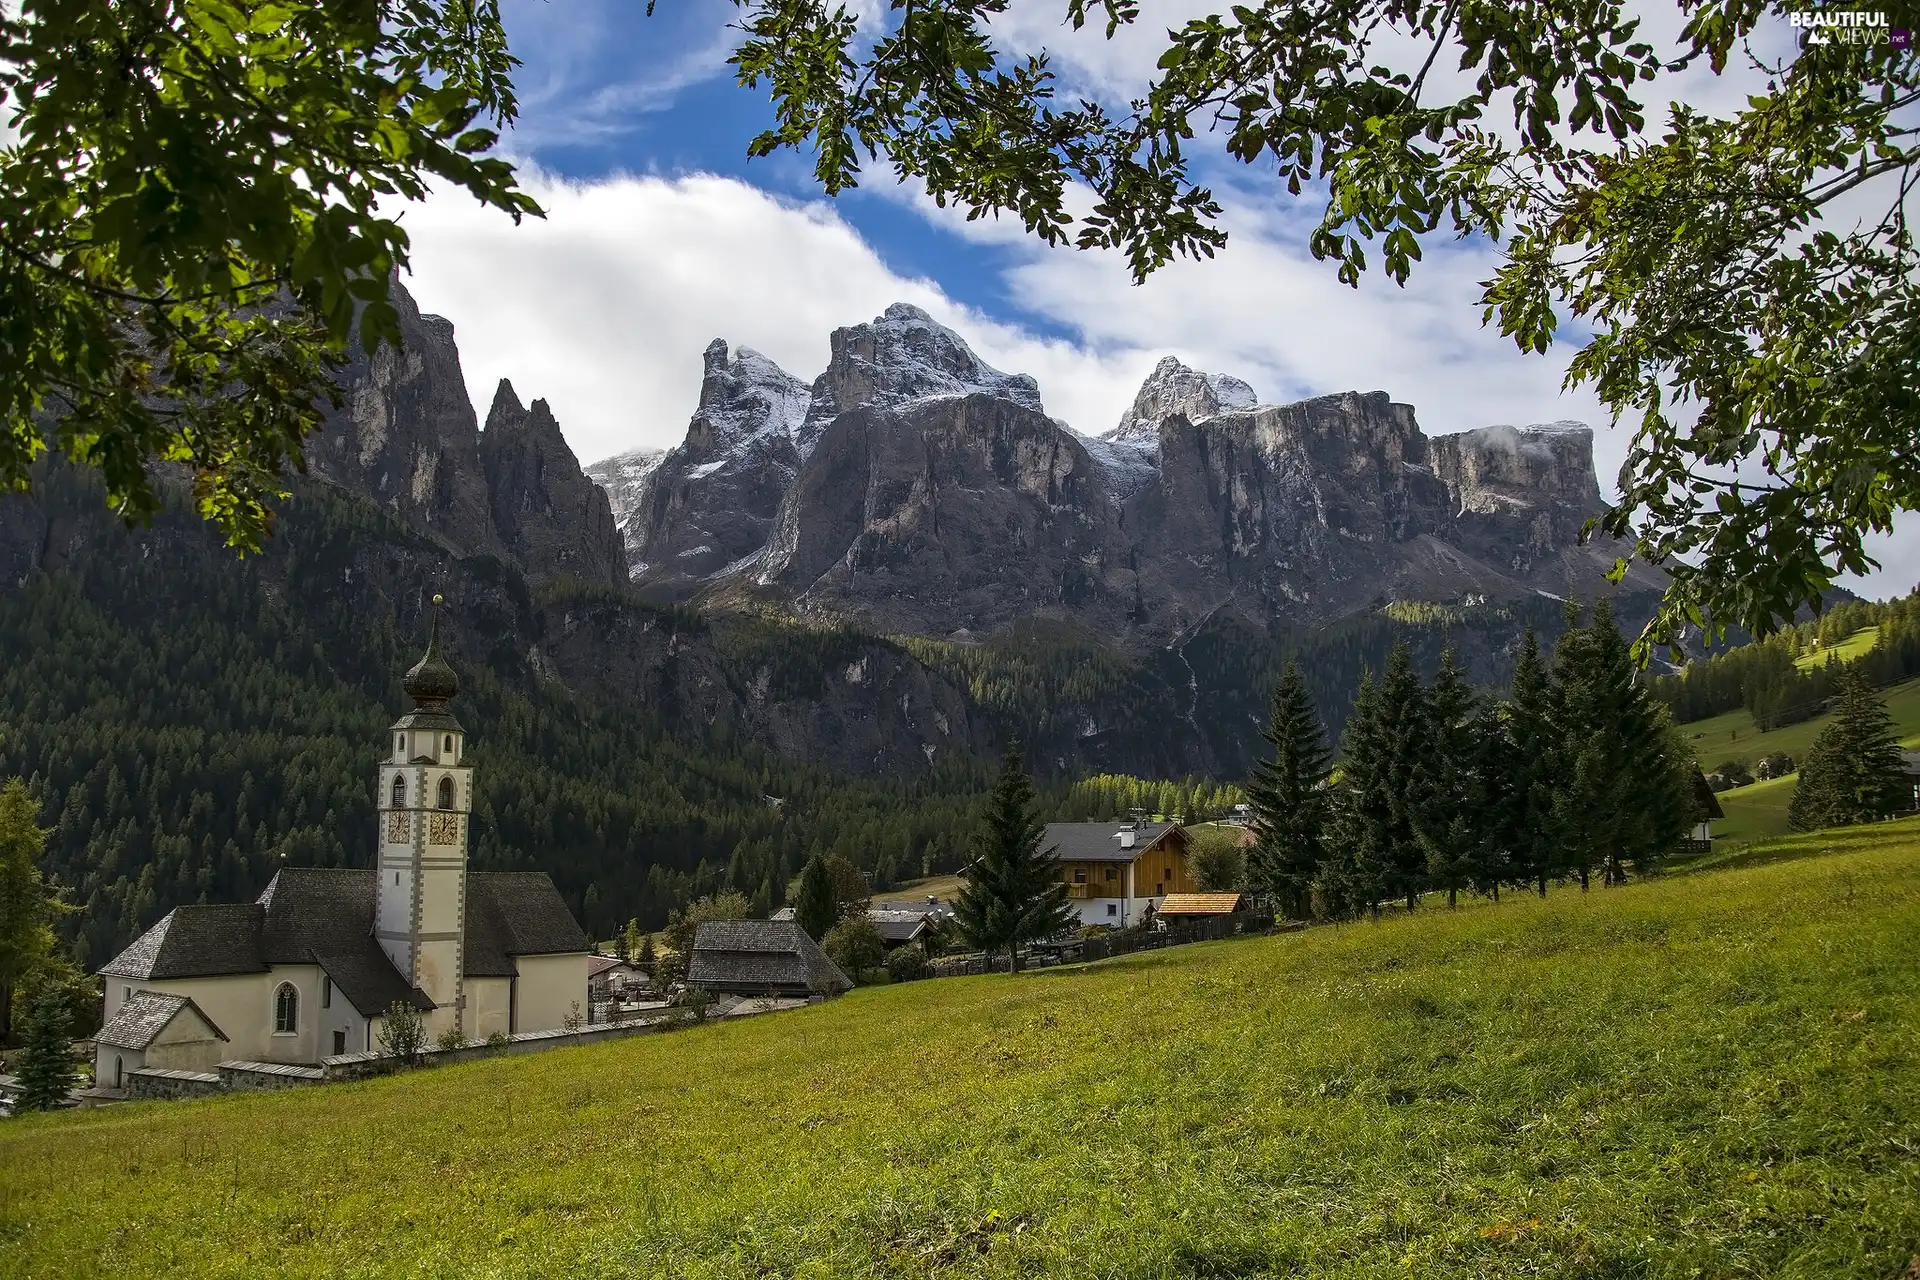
(449, 1040)
(1734, 773)
(907, 964)
(855, 945)
(403, 1035)
(499, 1040)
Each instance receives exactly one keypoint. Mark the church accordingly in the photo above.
(310, 969)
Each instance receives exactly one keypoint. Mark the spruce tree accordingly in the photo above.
(1013, 893)
(1357, 871)
(816, 908)
(45, 1066)
(1623, 795)
(1854, 773)
(1288, 796)
(1383, 754)
(1447, 815)
(1534, 762)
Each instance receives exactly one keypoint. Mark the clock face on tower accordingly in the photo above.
(399, 827)
(443, 828)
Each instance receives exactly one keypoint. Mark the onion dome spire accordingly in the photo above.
(431, 682)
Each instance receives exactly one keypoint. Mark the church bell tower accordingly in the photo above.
(425, 799)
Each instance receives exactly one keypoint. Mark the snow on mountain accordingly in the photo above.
(903, 355)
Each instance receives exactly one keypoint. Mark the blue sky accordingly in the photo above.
(663, 235)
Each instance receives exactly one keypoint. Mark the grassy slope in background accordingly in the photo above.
(1759, 810)
(1703, 1075)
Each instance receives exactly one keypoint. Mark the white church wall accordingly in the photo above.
(488, 1007)
(549, 988)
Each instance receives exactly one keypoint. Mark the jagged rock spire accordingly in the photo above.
(431, 682)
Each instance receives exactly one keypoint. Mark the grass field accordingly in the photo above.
(946, 888)
(1734, 736)
(1705, 1075)
(1861, 641)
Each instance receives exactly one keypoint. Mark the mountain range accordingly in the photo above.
(906, 559)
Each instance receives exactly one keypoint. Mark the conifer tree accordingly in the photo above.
(816, 908)
(1854, 772)
(1383, 754)
(1288, 796)
(1356, 873)
(45, 1066)
(1013, 892)
(1446, 817)
(1534, 759)
(1623, 797)
(27, 904)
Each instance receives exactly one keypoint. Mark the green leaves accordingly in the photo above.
(198, 243)
(1750, 347)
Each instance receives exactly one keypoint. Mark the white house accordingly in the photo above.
(310, 968)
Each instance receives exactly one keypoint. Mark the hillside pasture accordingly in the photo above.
(1715, 1075)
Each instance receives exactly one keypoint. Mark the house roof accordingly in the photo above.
(762, 954)
(1095, 841)
(1200, 904)
(898, 926)
(324, 916)
(143, 1015)
(1706, 805)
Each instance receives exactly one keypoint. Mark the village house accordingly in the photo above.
(310, 969)
(761, 958)
(1115, 872)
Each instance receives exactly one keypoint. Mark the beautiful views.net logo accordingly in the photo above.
(1833, 26)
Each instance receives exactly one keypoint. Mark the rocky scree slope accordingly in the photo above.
(915, 490)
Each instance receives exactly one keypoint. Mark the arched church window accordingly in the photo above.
(286, 1009)
(399, 791)
(117, 1073)
(446, 793)
(448, 748)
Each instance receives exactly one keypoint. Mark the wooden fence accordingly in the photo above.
(1105, 946)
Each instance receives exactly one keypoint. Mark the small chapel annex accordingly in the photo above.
(310, 968)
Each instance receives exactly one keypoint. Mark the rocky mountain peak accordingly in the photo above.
(743, 395)
(903, 354)
(556, 519)
(1173, 388)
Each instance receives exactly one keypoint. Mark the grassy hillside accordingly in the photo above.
(1861, 641)
(1734, 736)
(1704, 1075)
(1758, 811)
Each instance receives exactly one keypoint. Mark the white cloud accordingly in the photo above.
(604, 308)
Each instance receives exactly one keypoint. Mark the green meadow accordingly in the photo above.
(1734, 736)
(1714, 1074)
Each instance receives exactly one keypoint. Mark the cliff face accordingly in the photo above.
(406, 438)
(929, 494)
(710, 501)
(557, 521)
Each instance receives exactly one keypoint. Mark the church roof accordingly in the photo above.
(143, 1015)
(202, 941)
(430, 682)
(324, 916)
(516, 913)
(755, 956)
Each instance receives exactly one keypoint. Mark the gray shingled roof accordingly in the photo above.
(898, 926)
(200, 941)
(753, 957)
(324, 916)
(143, 1015)
(1094, 841)
(516, 913)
